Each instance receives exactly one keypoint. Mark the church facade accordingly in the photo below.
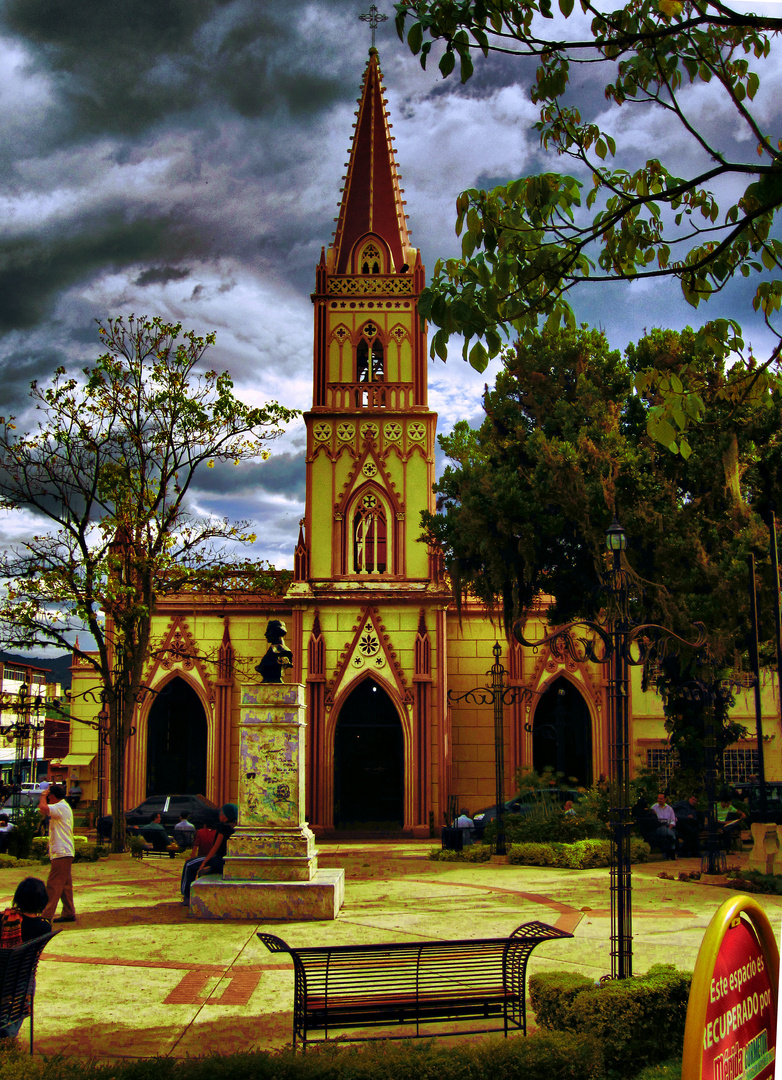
(374, 634)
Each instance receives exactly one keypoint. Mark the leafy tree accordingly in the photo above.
(109, 467)
(525, 501)
(528, 243)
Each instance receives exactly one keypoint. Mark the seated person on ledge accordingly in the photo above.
(215, 858)
(155, 837)
(184, 832)
(666, 836)
(729, 820)
(689, 822)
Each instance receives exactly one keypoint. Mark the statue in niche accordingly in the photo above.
(276, 656)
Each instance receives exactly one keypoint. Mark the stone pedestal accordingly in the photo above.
(766, 852)
(271, 869)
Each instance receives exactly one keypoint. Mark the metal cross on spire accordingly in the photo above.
(373, 17)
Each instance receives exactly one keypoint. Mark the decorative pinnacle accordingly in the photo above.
(373, 17)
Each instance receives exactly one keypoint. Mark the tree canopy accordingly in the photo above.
(524, 504)
(108, 471)
(527, 244)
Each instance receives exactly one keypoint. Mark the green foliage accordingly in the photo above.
(753, 881)
(474, 853)
(528, 243)
(666, 1070)
(524, 503)
(21, 840)
(580, 855)
(555, 827)
(89, 852)
(109, 468)
(551, 994)
(538, 1057)
(624, 1015)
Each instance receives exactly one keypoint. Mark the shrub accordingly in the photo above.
(20, 842)
(756, 882)
(551, 994)
(624, 1015)
(90, 853)
(555, 827)
(474, 853)
(540, 1057)
(581, 855)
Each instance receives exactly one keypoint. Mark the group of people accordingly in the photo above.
(677, 829)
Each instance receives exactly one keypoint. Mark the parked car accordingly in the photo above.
(20, 800)
(524, 803)
(197, 807)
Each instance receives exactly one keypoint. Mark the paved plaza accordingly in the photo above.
(136, 976)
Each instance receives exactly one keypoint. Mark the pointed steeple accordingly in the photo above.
(372, 198)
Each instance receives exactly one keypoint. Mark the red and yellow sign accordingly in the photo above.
(732, 1012)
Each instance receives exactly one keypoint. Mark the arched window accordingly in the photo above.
(371, 259)
(370, 545)
(370, 356)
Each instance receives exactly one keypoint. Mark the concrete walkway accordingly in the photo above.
(136, 976)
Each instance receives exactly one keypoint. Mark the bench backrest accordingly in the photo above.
(17, 968)
(425, 968)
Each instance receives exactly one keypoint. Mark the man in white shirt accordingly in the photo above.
(666, 833)
(52, 804)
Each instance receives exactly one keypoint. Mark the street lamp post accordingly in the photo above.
(619, 644)
(499, 694)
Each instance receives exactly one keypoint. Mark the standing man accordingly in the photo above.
(52, 804)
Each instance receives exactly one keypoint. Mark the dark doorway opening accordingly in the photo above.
(176, 742)
(368, 762)
(562, 734)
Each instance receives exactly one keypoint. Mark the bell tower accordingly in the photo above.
(370, 435)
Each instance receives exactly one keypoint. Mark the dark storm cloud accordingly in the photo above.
(123, 66)
(161, 275)
(281, 474)
(35, 268)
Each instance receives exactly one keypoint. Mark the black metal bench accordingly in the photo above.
(412, 983)
(17, 988)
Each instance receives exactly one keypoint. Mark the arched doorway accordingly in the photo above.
(368, 761)
(176, 742)
(562, 733)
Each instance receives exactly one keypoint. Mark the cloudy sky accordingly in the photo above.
(183, 158)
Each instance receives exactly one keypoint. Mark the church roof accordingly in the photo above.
(372, 198)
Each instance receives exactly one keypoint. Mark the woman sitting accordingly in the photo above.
(213, 862)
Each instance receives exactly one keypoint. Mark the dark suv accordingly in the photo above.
(170, 807)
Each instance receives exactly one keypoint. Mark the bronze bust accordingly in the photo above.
(276, 656)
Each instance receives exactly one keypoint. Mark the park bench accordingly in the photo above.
(17, 986)
(412, 983)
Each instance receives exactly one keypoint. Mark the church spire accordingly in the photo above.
(372, 198)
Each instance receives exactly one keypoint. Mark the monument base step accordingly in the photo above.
(294, 901)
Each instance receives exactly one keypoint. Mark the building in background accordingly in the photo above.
(374, 634)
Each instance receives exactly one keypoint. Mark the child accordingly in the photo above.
(30, 900)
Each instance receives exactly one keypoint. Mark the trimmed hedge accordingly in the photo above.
(638, 1021)
(474, 853)
(83, 851)
(541, 1056)
(581, 855)
(553, 994)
